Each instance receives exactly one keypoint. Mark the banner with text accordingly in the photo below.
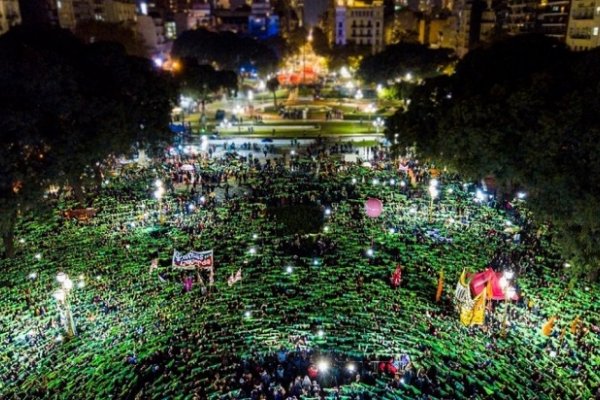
(193, 260)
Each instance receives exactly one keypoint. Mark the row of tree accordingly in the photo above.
(224, 50)
(64, 108)
(525, 112)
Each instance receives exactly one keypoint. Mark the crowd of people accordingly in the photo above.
(291, 315)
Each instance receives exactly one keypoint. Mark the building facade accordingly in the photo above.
(359, 23)
(10, 14)
(584, 24)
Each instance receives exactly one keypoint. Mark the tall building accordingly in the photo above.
(38, 12)
(70, 12)
(584, 24)
(262, 22)
(476, 24)
(521, 16)
(359, 23)
(10, 14)
(553, 17)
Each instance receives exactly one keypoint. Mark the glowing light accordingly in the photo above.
(450, 191)
(511, 292)
(61, 277)
(354, 181)
(289, 269)
(323, 365)
(326, 229)
(521, 195)
(158, 183)
(247, 314)
(392, 182)
(68, 284)
(392, 231)
(567, 265)
(21, 241)
(293, 152)
(58, 338)
(252, 250)
(81, 284)
(553, 354)
(38, 256)
(370, 252)
(328, 211)
(33, 275)
(508, 274)
(351, 368)
(315, 262)
(503, 282)
(59, 295)
(479, 195)
(402, 183)
(375, 182)
(320, 333)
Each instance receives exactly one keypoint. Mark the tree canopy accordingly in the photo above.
(522, 111)
(195, 79)
(64, 108)
(225, 50)
(399, 59)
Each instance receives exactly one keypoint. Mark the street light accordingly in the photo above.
(370, 110)
(358, 95)
(378, 124)
(433, 194)
(62, 297)
(237, 110)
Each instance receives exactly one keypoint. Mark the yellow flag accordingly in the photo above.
(440, 287)
(479, 309)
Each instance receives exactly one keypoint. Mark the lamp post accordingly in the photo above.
(378, 123)
(237, 110)
(433, 194)
(370, 110)
(62, 297)
(158, 195)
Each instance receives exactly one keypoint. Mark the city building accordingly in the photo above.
(359, 23)
(584, 23)
(438, 31)
(10, 14)
(521, 17)
(152, 31)
(553, 17)
(476, 24)
(232, 20)
(71, 12)
(198, 16)
(262, 22)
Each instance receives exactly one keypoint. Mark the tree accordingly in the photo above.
(320, 43)
(197, 79)
(273, 85)
(522, 111)
(399, 59)
(92, 31)
(65, 107)
(224, 50)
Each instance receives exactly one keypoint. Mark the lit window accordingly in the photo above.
(595, 31)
